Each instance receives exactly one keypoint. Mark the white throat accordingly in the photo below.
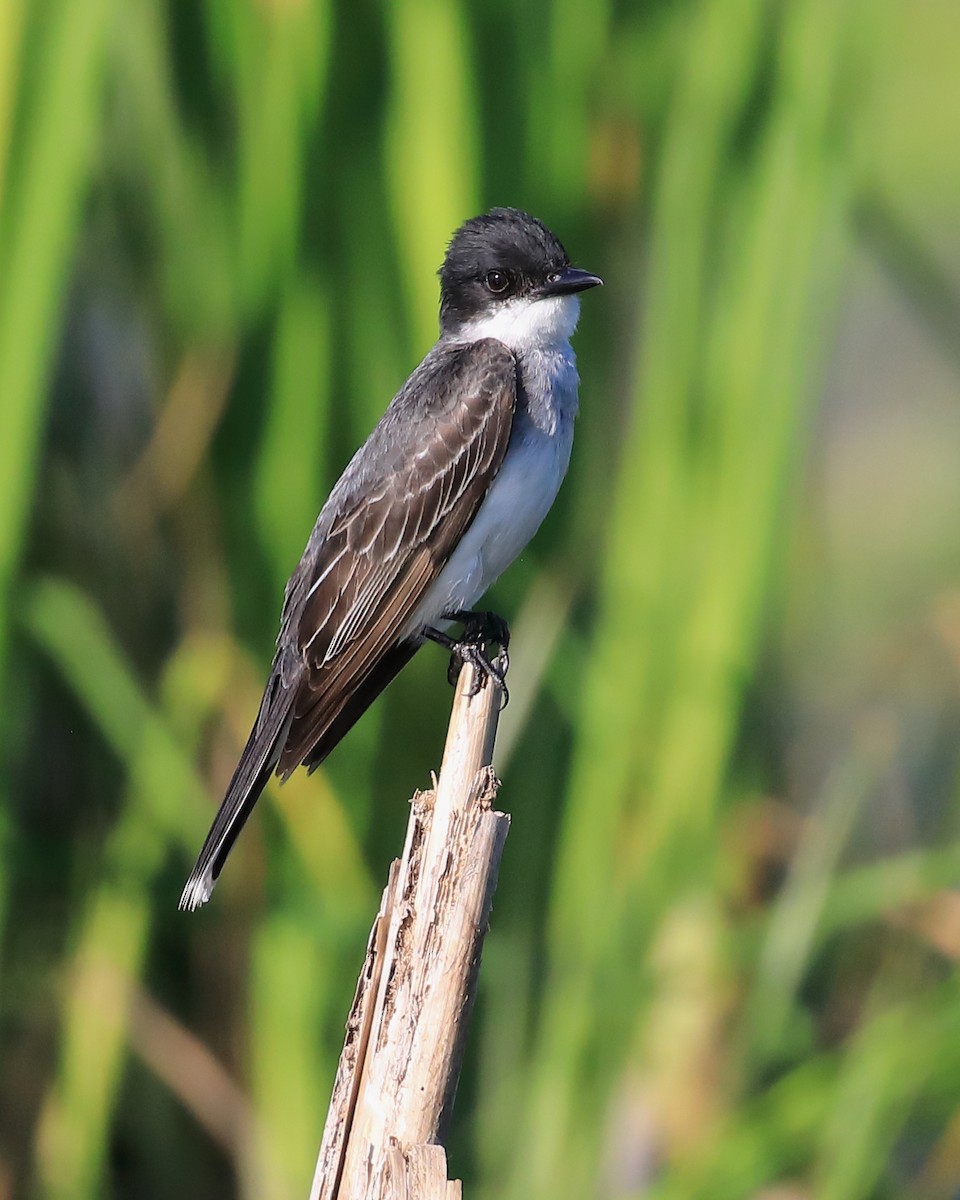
(526, 324)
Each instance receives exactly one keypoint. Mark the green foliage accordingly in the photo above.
(723, 957)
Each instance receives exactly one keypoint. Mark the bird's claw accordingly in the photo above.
(481, 630)
(485, 667)
(482, 627)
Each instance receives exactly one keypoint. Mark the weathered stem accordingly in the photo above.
(401, 1059)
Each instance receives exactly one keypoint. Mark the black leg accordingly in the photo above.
(481, 630)
(482, 626)
(448, 643)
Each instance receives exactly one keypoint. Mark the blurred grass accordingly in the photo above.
(430, 152)
(725, 369)
(704, 978)
(113, 926)
(48, 139)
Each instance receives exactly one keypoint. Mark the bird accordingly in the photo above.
(447, 490)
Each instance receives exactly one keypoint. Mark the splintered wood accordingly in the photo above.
(406, 1032)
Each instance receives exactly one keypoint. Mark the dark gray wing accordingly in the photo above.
(381, 539)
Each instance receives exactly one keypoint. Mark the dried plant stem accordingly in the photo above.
(405, 1035)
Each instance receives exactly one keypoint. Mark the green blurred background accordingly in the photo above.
(724, 955)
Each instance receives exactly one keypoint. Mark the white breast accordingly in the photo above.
(522, 492)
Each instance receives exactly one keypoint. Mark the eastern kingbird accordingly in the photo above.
(444, 494)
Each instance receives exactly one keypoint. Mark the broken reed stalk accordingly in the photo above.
(406, 1031)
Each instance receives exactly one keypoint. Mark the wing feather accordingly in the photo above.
(392, 537)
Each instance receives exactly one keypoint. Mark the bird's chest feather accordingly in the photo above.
(536, 461)
(521, 494)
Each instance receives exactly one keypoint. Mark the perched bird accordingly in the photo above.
(444, 494)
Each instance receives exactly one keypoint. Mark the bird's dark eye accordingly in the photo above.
(497, 281)
(553, 277)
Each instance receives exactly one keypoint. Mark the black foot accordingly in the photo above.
(481, 630)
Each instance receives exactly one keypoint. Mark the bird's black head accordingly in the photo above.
(503, 257)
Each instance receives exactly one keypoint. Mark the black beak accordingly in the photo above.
(570, 279)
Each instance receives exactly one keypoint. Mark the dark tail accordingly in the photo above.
(257, 762)
(279, 742)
